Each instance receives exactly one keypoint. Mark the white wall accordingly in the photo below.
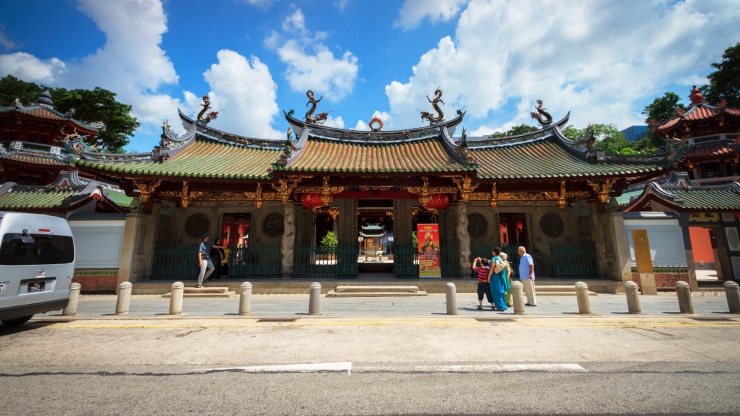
(97, 243)
(665, 238)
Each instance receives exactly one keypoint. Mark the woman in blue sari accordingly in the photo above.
(499, 280)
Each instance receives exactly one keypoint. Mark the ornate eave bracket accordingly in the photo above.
(146, 189)
(286, 186)
(425, 191)
(465, 187)
(602, 188)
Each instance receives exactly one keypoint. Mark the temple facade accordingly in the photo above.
(275, 202)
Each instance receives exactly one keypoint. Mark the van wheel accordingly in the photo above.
(17, 321)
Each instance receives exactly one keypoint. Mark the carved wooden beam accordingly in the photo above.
(146, 188)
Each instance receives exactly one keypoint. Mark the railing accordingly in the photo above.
(180, 261)
(573, 260)
(338, 262)
(405, 261)
(449, 261)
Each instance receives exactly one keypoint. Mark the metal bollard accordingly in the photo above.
(178, 288)
(517, 294)
(74, 298)
(314, 298)
(732, 291)
(584, 304)
(245, 299)
(683, 292)
(124, 298)
(451, 299)
(633, 297)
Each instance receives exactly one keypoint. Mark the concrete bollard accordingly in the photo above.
(314, 300)
(584, 304)
(245, 299)
(74, 298)
(732, 291)
(178, 288)
(124, 298)
(517, 294)
(451, 299)
(683, 292)
(633, 297)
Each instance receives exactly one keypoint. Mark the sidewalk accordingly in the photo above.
(296, 306)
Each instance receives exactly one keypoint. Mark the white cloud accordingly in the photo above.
(247, 93)
(263, 4)
(336, 122)
(413, 12)
(31, 69)
(5, 43)
(601, 59)
(342, 4)
(311, 64)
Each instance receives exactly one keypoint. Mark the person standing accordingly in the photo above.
(225, 262)
(204, 260)
(497, 279)
(480, 266)
(526, 274)
(216, 257)
(507, 294)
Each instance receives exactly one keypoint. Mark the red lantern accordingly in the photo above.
(311, 200)
(438, 201)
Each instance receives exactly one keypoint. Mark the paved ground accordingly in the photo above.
(709, 304)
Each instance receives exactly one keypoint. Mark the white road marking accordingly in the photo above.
(483, 368)
(342, 367)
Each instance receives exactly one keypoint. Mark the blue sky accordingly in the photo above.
(602, 60)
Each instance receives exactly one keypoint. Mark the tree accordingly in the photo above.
(663, 108)
(89, 105)
(724, 83)
(608, 138)
(515, 131)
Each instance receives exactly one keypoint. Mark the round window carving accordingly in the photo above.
(196, 225)
(273, 225)
(552, 225)
(477, 225)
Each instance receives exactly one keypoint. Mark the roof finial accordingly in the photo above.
(45, 99)
(696, 96)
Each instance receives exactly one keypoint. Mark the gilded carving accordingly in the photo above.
(425, 191)
(146, 188)
(563, 197)
(465, 187)
(602, 188)
(286, 187)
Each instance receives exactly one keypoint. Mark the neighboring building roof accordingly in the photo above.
(681, 194)
(712, 150)
(66, 193)
(199, 159)
(692, 122)
(49, 113)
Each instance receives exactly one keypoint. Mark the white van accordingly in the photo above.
(37, 261)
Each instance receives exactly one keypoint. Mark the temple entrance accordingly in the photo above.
(375, 236)
(704, 248)
(513, 230)
(235, 230)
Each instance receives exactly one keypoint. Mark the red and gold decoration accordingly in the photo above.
(311, 200)
(428, 241)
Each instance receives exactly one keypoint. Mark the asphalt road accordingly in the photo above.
(429, 365)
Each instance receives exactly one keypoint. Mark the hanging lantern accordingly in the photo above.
(438, 201)
(311, 200)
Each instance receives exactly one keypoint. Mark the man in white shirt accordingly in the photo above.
(526, 275)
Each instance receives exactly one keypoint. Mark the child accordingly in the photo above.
(480, 266)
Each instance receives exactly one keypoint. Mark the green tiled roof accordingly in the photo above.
(119, 198)
(334, 156)
(201, 160)
(709, 199)
(33, 159)
(627, 195)
(545, 159)
(33, 199)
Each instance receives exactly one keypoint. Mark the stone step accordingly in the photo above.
(549, 293)
(207, 289)
(335, 294)
(558, 290)
(375, 288)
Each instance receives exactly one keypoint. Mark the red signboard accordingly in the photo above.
(311, 200)
(428, 240)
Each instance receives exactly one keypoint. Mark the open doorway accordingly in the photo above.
(235, 230)
(375, 236)
(706, 260)
(513, 230)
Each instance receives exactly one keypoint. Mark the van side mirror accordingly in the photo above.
(26, 237)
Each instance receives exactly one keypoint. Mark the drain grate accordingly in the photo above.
(277, 320)
(499, 320)
(711, 319)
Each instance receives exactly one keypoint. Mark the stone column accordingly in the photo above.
(463, 237)
(128, 247)
(683, 222)
(618, 266)
(288, 240)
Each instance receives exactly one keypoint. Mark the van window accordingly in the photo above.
(45, 249)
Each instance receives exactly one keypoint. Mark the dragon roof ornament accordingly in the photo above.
(542, 116)
(202, 116)
(313, 102)
(425, 115)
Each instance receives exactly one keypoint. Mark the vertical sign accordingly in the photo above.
(428, 240)
(642, 251)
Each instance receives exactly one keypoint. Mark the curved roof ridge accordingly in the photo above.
(222, 135)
